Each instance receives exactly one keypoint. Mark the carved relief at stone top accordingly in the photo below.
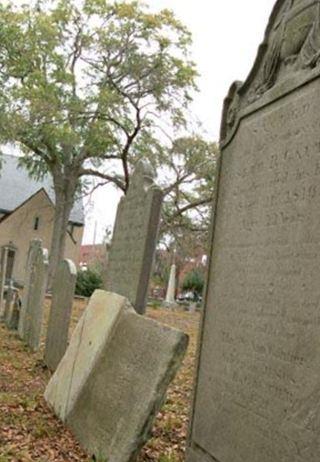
(291, 46)
(294, 42)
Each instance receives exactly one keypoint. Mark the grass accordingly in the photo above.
(29, 431)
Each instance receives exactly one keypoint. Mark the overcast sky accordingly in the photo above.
(226, 36)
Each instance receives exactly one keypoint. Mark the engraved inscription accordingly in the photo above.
(258, 392)
(134, 239)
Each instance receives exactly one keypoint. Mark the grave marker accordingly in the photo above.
(3, 267)
(61, 307)
(12, 320)
(112, 380)
(171, 289)
(134, 239)
(8, 300)
(31, 315)
(258, 383)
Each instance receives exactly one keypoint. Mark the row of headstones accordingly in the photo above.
(117, 360)
(129, 269)
(111, 383)
(257, 390)
(26, 316)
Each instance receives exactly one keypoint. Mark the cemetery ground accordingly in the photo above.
(30, 432)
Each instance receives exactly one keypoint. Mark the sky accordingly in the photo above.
(226, 36)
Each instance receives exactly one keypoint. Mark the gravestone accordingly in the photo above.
(59, 320)
(257, 394)
(3, 266)
(112, 380)
(12, 320)
(134, 238)
(8, 300)
(171, 289)
(30, 322)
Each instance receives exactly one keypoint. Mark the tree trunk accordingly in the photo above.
(65, 189)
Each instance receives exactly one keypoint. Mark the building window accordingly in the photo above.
(36, 223)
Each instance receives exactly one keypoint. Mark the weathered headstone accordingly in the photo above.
(112, 380)
(3, 266)
(171, 289)
(12, 319)
(60, 313)
(8, 300)
(134, 239)
(30, 322)
(257, 396)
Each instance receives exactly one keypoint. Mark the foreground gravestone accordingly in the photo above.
(59, 320)
(134, 238)
(31, 315)
(258, 386)
(112, 380)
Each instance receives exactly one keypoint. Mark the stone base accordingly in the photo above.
(170, 305)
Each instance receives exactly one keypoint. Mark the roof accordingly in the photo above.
(8, 215)
(16, 187)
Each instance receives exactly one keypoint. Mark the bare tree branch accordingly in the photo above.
(109, 178)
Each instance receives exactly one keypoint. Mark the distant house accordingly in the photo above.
(26, 213)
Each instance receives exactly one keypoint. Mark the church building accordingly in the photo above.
(26, 213)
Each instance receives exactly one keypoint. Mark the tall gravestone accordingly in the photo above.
(257, 395)
(134, 238)
(31, 316)
(171, 289)
(59, 320)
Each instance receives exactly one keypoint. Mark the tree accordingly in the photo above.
(194, 281)
(188, 180)
(191, 166)
(85, 91)
(88, 281)
(188, 186)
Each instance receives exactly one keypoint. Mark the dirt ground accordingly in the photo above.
(30, 432)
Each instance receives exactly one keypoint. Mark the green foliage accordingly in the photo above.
(87, 282)
(88, 88)
(91, 81)
(194, 281)
(189, 196)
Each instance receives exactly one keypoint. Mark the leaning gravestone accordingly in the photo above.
(112, 380)
(257, 396)
(134, 238)
(31, 315)
(59, 320)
